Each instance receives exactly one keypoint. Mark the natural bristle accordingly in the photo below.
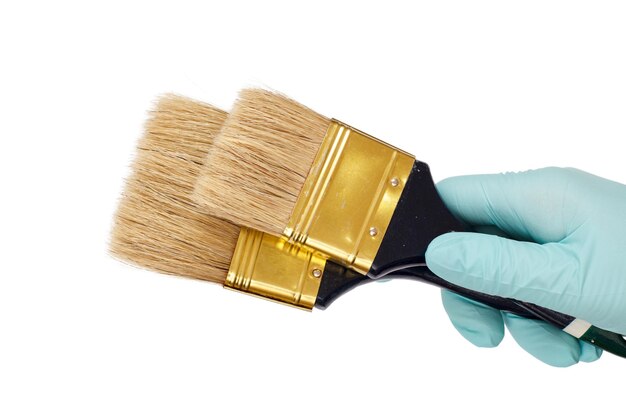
(260, 160)
(157, 225)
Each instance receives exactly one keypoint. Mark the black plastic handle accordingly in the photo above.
(418, 218)
(337, 280)
(604, 339)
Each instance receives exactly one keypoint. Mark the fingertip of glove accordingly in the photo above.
(445, 254)
(481, 338)
(448, 183)
(480, 325)
(589, 353)
(544, 341)
(440, 250)
(559, 358)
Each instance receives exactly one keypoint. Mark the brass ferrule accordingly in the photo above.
(349, 196)
(270, 267)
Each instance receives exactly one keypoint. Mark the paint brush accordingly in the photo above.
(159, 227)
(280, 167)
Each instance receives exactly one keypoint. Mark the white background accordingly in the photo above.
(468, 86)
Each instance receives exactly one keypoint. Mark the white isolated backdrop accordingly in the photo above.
(469, 87)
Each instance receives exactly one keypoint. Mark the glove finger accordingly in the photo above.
(490, 230)
(589, 352)
(479, 324)
(544, 341)
(527, 205)
(542, 274)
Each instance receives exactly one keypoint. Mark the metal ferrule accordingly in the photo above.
(349, 196)
(269, 267)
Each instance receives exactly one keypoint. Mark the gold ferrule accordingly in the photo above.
(349, 196)
(270, 267)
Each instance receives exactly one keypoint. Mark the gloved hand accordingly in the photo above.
(566, 250)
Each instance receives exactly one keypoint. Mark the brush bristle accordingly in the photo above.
(260, 160)
(157, 225)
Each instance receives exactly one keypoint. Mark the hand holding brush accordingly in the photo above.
(563, 248)
(281, 168)
(159, 227)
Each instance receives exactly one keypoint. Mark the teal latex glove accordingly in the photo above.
(566, 250)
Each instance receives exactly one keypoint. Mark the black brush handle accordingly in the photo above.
(419, 217)
(510, 305)
(337, 280)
